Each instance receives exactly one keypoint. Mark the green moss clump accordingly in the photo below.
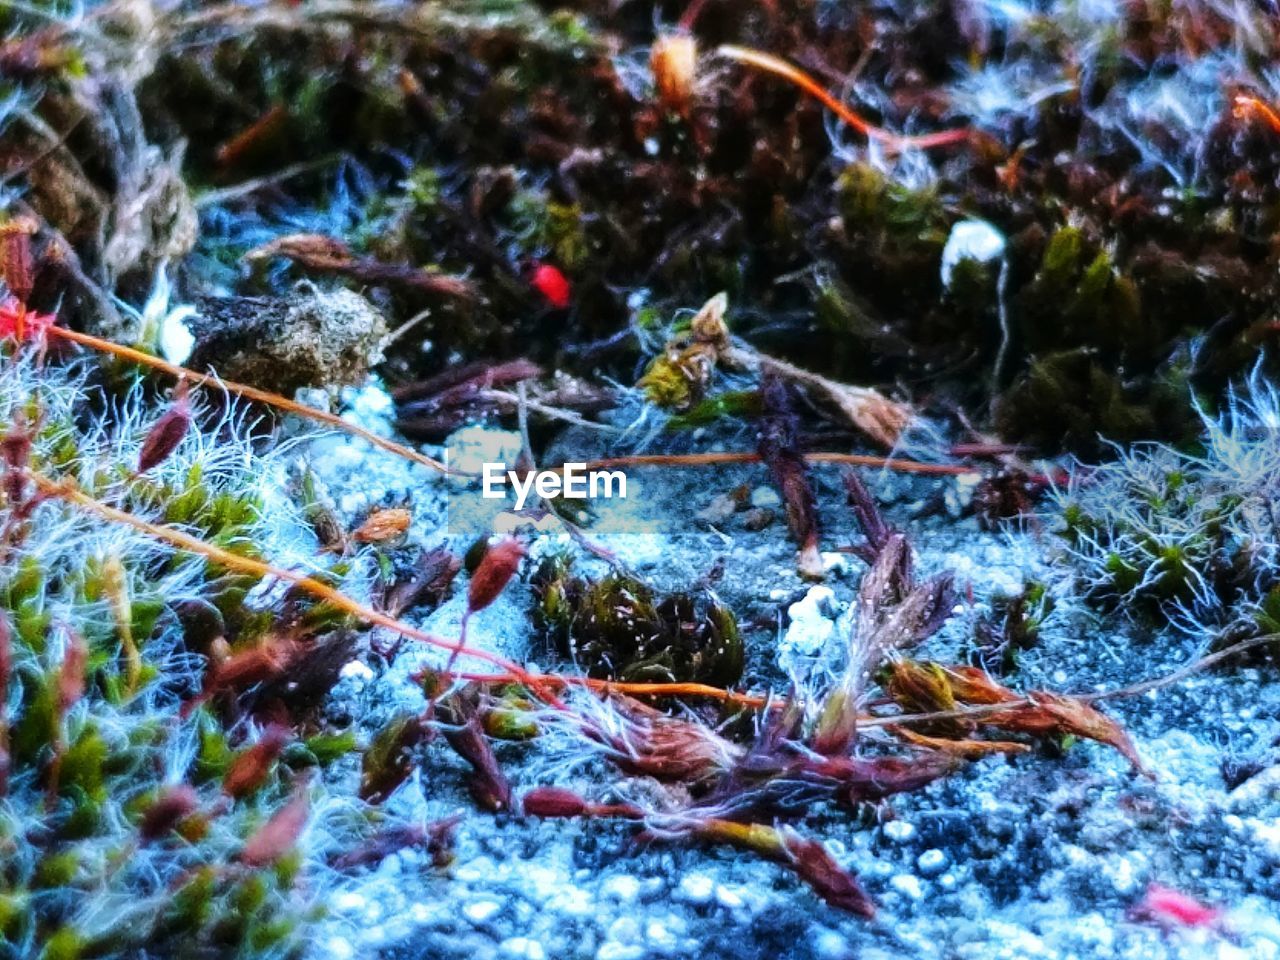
(619, 628)
(1187, 534)
(136, 849)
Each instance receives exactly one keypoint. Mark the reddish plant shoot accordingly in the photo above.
(278, 835)
(250, 769)
(167, 432)
(171, 807)
(6, 667)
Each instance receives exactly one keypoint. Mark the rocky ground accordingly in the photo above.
(1042, 855)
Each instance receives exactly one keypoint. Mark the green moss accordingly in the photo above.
(619, 628)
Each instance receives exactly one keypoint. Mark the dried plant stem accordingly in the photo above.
(275, 400)
(1121, 693)
(794, 75)
(869, 410)
(715, 459)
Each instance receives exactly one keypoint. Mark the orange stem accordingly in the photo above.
(712, 459)
(249, 393)
(70, 493)
(794, 75)
(1245, 104)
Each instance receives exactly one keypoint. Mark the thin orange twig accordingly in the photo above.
(1245, 104)
(276, 400)
(713, 459)
(70, 493)
(794, 75)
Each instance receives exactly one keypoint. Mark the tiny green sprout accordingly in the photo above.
(330, 747)
(423, 187)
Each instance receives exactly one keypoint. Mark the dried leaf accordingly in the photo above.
(857, 780)
(436, 836)
(463, 731)
(667, 748)
(929, 688)
(967, 749)
(1059, 714)
(323, 254)
(387, 762)
(814, 864)
(809, 859)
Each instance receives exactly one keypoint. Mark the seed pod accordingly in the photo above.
(166, 811)
(167, 432)
(277, 836)
(497, 568)
(554, 802)
(71, 679)
(674, 62)
(15, 256)
(382, 525)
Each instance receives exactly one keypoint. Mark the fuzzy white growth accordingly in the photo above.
(1197, 534)
(971, 240)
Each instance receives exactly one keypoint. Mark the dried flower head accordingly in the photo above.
(674, 62)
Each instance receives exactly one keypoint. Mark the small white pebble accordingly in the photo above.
(523, 947)
(829, 945)
(481, 910)
(899, 831)
(931, 862)
(908, 885)
(765, 497)
(356, 670)
(970, 240)
(349, 902)
(728, 897)
(696, 888)
(622, 888)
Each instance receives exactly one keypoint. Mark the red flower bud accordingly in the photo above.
(552, 284)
